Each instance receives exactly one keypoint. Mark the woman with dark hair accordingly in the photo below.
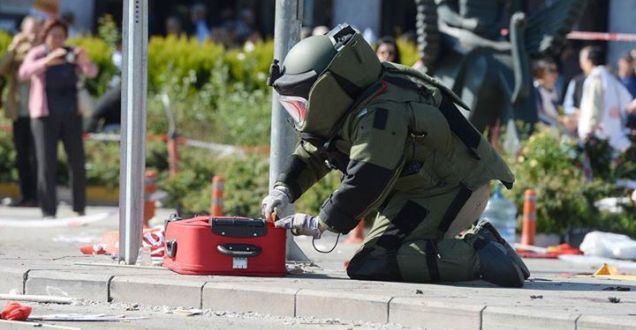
(545, 77)
(387, 50)
(53, 69)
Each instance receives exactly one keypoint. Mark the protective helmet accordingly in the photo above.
(322, 76)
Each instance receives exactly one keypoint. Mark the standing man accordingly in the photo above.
(17, 108)
(604, 102)
(404, 150)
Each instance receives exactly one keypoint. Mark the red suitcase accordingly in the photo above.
(208, 245)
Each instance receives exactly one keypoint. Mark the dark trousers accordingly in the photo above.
(47, 131)
(25, 158)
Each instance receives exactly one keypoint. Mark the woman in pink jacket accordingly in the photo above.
(53, 69)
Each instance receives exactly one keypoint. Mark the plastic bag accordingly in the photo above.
(608, 245)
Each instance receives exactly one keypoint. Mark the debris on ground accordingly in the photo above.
(617, 288)
(418, 291)
(15, 311)
(614, 300)
(550, 252)
(84, 317)
(187, 311)
(295, 268)
(536, 297)
(37, 298)
(134, 307)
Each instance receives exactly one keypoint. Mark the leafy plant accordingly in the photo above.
(8, 172)
(408, 52)
(101, 54)
(5, 40)
(551, 164)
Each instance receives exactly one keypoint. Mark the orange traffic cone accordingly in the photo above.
(216, 209)
(529, 217)
(173, 156)
(356, 235)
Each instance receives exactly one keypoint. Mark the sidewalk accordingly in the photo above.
(48, 262)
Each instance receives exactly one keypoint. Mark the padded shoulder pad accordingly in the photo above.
(402, 69)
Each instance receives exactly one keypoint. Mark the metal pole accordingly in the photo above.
(287, 26)
(288, 20)
(133, 108)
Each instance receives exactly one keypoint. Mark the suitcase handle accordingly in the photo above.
(171, 248)
(239, 250)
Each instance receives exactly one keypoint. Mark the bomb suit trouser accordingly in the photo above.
(414, 237)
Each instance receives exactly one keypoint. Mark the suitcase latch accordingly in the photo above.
(238, 227)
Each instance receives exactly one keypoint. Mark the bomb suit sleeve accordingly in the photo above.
(304, 168)
(378, 137)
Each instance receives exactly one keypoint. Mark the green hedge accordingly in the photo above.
(551, 164)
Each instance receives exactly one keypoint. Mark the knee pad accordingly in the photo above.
(370, 266)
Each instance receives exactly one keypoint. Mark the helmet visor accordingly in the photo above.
(296, 107)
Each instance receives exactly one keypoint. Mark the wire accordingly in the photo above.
(313, 243)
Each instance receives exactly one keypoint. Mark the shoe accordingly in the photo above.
(486, 230)
(80, 213)
(24, 203)
(496, 267)
(48, 217)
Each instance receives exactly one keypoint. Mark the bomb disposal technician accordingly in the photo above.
(405, 151)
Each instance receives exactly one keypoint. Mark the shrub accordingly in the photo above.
(184, 59)
(101, 54)
(5, 40)
(552, 165)
(8, 172)
(408, 52)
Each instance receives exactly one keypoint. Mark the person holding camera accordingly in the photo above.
(16, 108)
(53, 69)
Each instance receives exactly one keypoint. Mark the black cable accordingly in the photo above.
(313, 242)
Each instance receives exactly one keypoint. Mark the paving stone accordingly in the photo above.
(249, 298)
(342, 305)
(12, 278)
(604, 322)
(157, 290)
(495, 318)
(427, 314)
(90, 286)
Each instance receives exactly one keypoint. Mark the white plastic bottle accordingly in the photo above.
(502, 213)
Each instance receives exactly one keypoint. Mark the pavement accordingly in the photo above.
(38, 260)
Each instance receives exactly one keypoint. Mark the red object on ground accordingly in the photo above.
(552, 252)
(15, 311)
(208, 245)
(529, 218)
(93, 249)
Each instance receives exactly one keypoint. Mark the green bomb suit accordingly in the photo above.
(405, 151)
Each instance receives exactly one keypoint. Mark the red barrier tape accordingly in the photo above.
(604, 36)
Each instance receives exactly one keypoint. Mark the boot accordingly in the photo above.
(487, 230)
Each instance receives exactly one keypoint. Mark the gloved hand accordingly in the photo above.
(278, 200)
(301, 224)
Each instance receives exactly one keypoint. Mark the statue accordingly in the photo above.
(461, 42)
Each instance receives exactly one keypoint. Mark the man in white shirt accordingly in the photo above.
(604, 103)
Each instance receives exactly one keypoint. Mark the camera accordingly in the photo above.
(70, 56)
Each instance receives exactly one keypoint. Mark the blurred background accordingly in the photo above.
(208, 62)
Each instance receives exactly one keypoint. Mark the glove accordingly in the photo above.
(278, 200)
(301, 224)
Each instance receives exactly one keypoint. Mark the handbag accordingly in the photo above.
(85, 102)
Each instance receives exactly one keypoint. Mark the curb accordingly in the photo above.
(293, 298)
